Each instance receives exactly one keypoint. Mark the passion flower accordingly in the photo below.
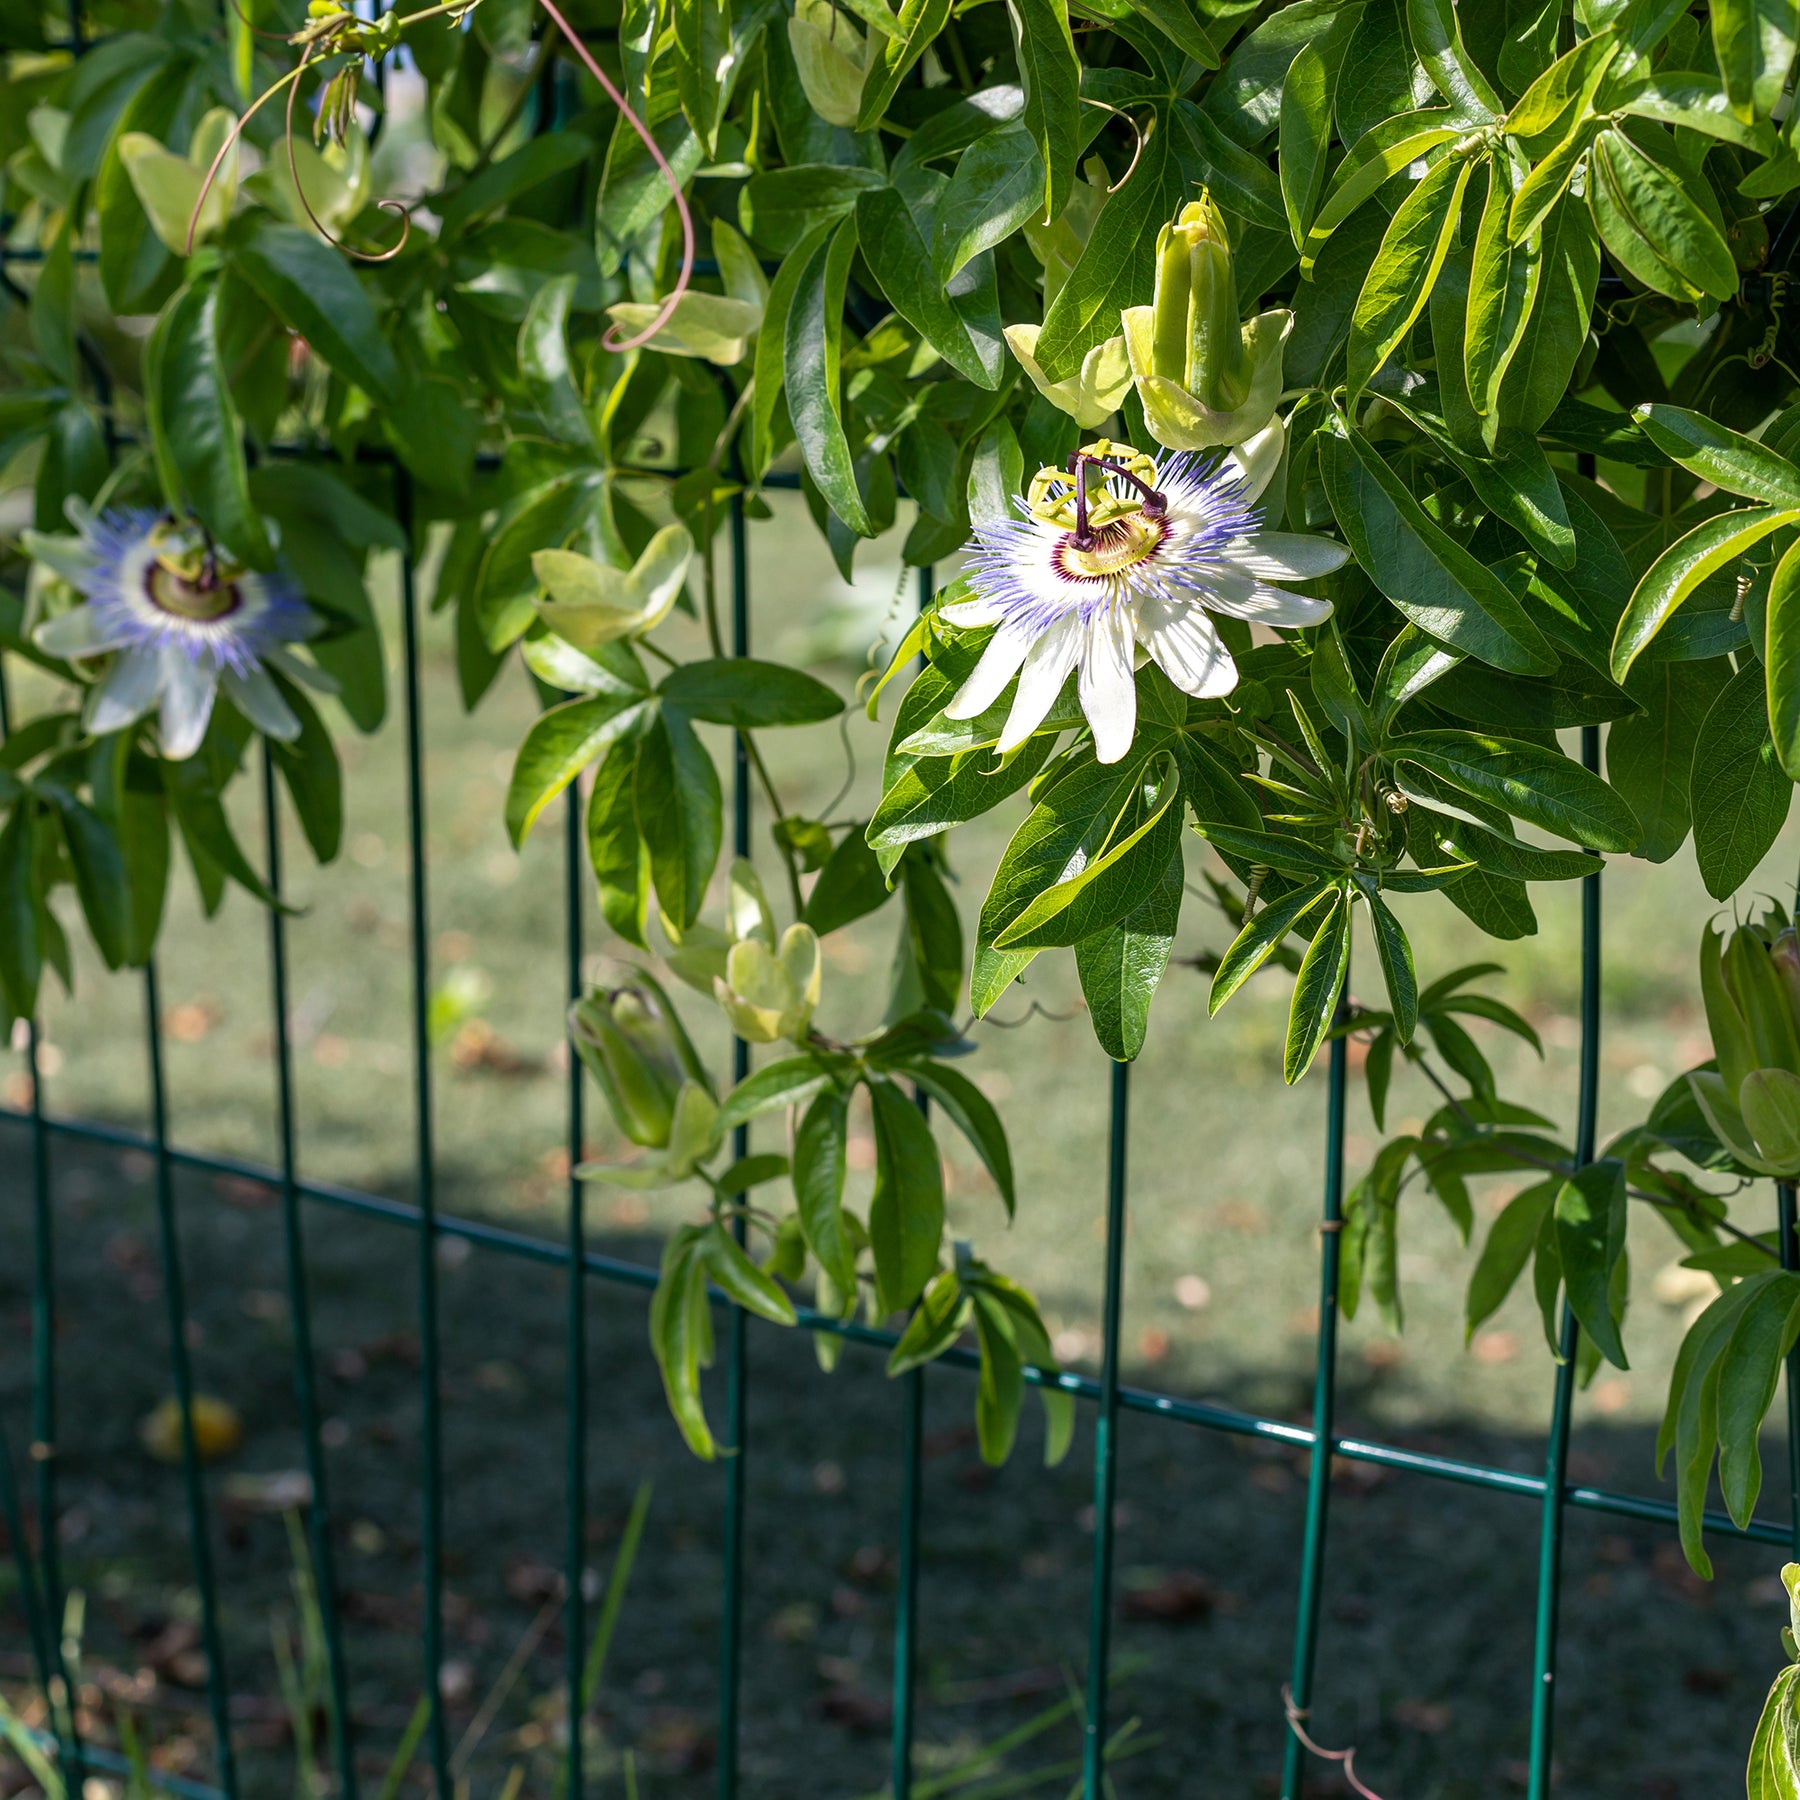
(1114, 559)
(180, 620)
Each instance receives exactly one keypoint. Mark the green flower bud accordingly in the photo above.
(769, 995)
(1199, 341)
(1751, 987)
(636, 1050)
(1762, 1001)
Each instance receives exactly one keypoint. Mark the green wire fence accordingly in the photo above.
(41, 1584)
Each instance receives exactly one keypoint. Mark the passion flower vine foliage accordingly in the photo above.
(1333, 406)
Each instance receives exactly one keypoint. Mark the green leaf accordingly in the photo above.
(1749, 1371)
(741, 1280)
(681, 1335)
(701, 30)
(936, 1324)
(892, 59)
(1754, 41)
(1650, 756)
(1405, 267)
(309, 766)
(680, 814)
(21, 959)
(792, 1081)
(1654, 231)
(1126, 871)
(1120, 967)
(616, 849)
(1052, 78)
(1305, 137)
(559, 745)
(1556, 331)
(1502, 1259)
(1115, 267)
(1503, 286)
(738, 690)
(194, 424)
(1437, 37)
(997, 186)
(783, 208)
(1715, 453)
(1721, 542)
(311, 286)
(1372, 162)
(850, 886)
(922, 795)
(545, 365)
(1781, 654)
(973, 1114)
(906, 1212)
(100, 879)
(1590, 1238)
(1542, 787)
(1741, 794)
(1321, 981)
(1001, 1384)
(1396, 965)
(1259, 940)
(900, 261)
(1430, 577)
(813, 336)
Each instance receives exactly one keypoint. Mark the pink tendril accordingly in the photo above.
(1296, 1718)
(664, 312)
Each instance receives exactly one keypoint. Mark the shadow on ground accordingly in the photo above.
(1425, 1662)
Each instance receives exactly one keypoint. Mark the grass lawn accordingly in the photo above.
(1425, 1662)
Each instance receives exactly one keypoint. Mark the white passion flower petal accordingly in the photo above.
(1108, 693)
(257, 697)
(129, 691)
(999, 664)
(1046, 668)
(188, 691)
(1243, 597)
(1255, 461)
(1286, 556)
(1183, 644)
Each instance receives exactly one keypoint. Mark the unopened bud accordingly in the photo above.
(635, 1049)
(1199, 336)
(770, 995)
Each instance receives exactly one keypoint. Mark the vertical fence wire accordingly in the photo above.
(1790, 1259)
(912, 1426)
(306, 1400)
(43, 1447)
(737, 1374)
(431, 1537)
(1106, 1449)
(1556, 1455)
(575, 1621)
(1318, 1482)
(30, 1599)
(181, 1367)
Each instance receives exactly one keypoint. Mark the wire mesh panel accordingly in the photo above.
(588, 1275)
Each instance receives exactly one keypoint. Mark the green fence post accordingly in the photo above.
(431, 1536)
(737, 1373)
(175, 1298)
(1318, 1481)
(575, 1602)
(1106, 1449)
(1556, 1456)
(912, 1426)
(1790, 1259)
(30, 1601)
(324, 1555)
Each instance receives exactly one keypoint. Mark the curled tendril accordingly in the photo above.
(318, 225)
(611, 341)
(334, 30)
(1136, 132)
(1296, 1717)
